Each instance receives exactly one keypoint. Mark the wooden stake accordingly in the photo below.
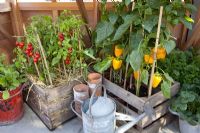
(44, 58)
(154, 55)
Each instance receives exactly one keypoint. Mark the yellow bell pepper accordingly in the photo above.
(136, 74)
(157, 78)
(117, 63)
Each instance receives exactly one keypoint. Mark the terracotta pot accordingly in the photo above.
(81, 93)
(11, 110)
(95, 79)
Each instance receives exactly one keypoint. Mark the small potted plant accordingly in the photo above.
(184, 67)
(11, 101)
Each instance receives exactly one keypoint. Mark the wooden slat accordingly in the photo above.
(160, 111)
(52, 6)
(96, 12)
(125, 95)
(32, 6)
(158, 98)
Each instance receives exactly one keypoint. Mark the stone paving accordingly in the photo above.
(30, 123)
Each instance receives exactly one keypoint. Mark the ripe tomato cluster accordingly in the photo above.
(68, 59)
(36, 57)
(20, 44)
(29, 50)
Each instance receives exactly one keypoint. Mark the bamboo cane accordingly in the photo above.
(44, 58)
(154, 55)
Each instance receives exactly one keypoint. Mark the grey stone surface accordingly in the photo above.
(30, 123)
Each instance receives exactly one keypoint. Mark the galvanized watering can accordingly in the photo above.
(105, 122)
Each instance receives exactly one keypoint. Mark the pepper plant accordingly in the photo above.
(132, 27)
(53, 51)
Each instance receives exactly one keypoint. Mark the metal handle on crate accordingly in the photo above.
(92, 97)
(74, 109)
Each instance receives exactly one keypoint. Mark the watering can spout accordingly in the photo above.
(148, 111)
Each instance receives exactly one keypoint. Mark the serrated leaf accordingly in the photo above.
(145, 76)
(166, 88)
(170, 79)
(55, 60)
(127, 2)
(89, 53)
(102, 66)
(120, 31)
(136, 58)
(104, 30)
(113, 17)
(150, 23)
(148, 11)
(5, 95)
(169, 45)
(186, 23)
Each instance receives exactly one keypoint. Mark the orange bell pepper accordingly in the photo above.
(118, 51)
(148, 59)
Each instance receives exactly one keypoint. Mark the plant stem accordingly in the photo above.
(64, 68)
(38, 72)
(44, 58)
(155, 52)
(138, 84)
(110, 74)
(127, 63)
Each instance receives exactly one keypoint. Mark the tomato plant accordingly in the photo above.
(53, 50)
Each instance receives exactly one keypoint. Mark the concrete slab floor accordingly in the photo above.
(30, 123)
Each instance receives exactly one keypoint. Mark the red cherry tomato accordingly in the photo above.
(70, 50)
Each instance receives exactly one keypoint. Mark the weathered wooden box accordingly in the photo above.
(52, 105)
(133, 105)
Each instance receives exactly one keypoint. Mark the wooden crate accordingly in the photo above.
(52, 105)
(133, 105)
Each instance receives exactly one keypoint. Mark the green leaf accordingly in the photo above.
(166, 88)
(145, 76)
(189, 19)
(89, 53)
(155, 4)
(5, 95)
(170, 79)
(55, 60)
(104, 65)
(150, 23)
(136, 39)
(113, 17)
(120, 31)
(191, 7)
(136, 58)
(169, 45)
(104, 30)
(129, 18)
(127, 2)
(186, 23)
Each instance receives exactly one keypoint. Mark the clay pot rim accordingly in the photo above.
(81, 88)
(94, 76)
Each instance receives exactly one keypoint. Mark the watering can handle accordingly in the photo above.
(92, 97)
(74, 109)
